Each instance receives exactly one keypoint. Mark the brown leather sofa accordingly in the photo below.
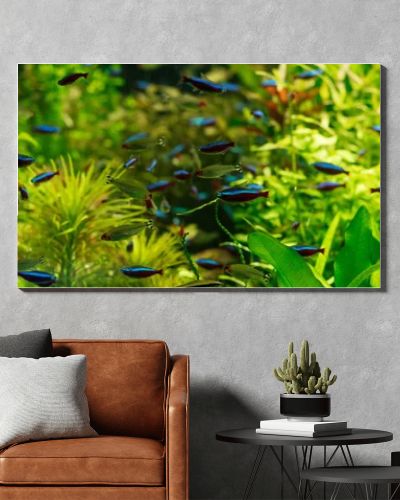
(139, 401)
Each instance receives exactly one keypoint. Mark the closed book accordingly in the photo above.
(311, 434)
(303, 425)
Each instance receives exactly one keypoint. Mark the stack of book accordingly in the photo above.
(285, 427)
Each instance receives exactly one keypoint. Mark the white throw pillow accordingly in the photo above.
(43, 399)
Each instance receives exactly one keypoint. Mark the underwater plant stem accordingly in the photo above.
(293, 154)
(292, 148)
(193, 210)
(189, 257)
(68, 262)
(228, 233)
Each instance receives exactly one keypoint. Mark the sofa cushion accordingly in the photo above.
(103, 460)
(126, 385)
(33, 344)
(43, 399)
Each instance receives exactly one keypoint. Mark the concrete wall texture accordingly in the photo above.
(234, 339)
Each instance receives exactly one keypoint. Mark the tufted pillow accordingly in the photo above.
(43, 399)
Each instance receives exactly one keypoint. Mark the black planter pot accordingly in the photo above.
(300, 406)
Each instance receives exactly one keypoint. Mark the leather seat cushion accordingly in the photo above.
(102, 460)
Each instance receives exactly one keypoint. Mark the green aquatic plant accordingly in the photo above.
(131, 148)
(70, 214)
(304, 377)
(161, 251)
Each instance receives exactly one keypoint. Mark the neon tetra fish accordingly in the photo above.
(199, 121)
(142, 84)
(230, 87)
(307, 75)
(241, 195)
(258, 114)
(177, 150)
(307, 251)
(23, 192)
(25, 160)
(181, 174)
(39, 278)
(203, 84)
(250, 168)
(376, 128)
(268, 83)
(209, 264)
(67, 80)
(140, 271)
(152, 166)
(256, 187)
(46, 129)
(43, 177)
(329, 186)
(218, 147)
(329, 168)
(140, 136)
(160, 185)
(131, 162)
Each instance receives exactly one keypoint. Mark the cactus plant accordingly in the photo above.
(304, 377)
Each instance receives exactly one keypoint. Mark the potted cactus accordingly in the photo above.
(306, 386)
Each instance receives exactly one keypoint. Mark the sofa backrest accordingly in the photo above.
(126, 386)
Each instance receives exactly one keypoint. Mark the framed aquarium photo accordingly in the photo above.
(219, 176)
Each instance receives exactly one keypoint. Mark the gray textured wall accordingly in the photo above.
(234, 339)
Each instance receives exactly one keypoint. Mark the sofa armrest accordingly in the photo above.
(177, 431)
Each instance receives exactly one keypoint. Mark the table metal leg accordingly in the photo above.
(351, 493)
(335, 491)
(324, 466)
(307, 457)
(284, 470)
(253, 474)
(282, 487)
(279, 456)
(392, 495)
(332, 456)
(305, 464)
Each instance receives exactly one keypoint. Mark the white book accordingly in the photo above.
(303, 425)
(311, 434)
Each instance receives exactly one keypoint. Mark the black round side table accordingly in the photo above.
(303, 451)
(370, 477)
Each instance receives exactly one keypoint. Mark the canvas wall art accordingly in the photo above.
(193, 176)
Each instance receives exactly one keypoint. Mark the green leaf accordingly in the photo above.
(246, 273)
(25, 137)
(126, 231)
(361, 250)
(131, 187)
(376, 279)
(200, 284)
(364, 275)
(291, 268)
(29, 264)
(247, 75)
(215, 171)
(327, 245)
